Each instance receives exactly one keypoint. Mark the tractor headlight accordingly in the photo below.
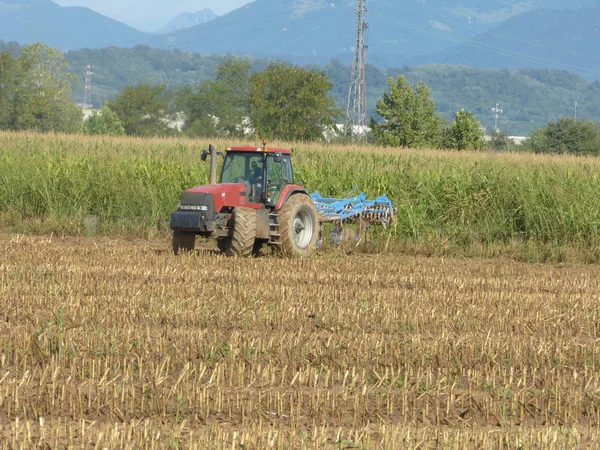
(193, 208)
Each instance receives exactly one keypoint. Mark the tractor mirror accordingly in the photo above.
(204, 155)
(278, 157)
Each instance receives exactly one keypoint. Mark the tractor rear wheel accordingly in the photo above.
(241, 242)
(183, 242)
(298, 226)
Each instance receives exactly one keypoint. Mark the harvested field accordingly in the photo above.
(119, 344)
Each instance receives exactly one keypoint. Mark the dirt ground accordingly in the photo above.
(110, 343)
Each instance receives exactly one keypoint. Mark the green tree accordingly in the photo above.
(36, 90)
(9, 82)
(219, 107)
(142, 110)
(410, 119)
(566, 136)
(500, 142)
(465, 133)
(291, 103)
(105, 122)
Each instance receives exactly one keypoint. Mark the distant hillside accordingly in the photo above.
(567, 40)
(28, 21)
(115, 69)
(187, 20)
(508, 34)
(529, 98)
(315, 31)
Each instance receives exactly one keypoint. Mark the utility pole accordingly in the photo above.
(356, 114)
(496, 111)
(87, 98)
(575, 110)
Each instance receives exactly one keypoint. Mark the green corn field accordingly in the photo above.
(541, 208)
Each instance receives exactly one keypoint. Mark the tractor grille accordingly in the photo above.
(192, 220)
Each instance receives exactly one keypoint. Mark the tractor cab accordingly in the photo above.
(263, 172)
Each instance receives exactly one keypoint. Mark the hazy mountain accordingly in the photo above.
(567, 40)
(496, 33)
(317, 30)
(187, 20)
(27, 21)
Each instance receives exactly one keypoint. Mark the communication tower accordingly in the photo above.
(87, 98)
(496, 111)
(356, 114)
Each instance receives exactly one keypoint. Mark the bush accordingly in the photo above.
(465, 133)
(500, 142)
(104, 123)
(566, 136)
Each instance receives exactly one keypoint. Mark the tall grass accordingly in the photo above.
(461, 199)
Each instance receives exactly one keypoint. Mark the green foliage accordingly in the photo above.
(410, 117)
(535, 96)
(500, 142)
(219, 107)
(445, 199)
(566, 136)
(36, 89)
(105, 122)
(142, 110)
(465, 133)
(291, 103)
(117, 68)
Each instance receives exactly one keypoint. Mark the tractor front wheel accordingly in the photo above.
(241, 242)
(223, 244)
(298, 226)
(183, 242)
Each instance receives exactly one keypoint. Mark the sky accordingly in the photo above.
(150, 15)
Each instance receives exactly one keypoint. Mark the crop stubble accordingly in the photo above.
(118, 344)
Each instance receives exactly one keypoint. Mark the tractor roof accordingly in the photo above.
(249, 148)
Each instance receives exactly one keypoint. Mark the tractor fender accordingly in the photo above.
(287, 192)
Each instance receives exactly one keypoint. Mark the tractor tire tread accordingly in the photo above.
(244, 232)
(287, 214)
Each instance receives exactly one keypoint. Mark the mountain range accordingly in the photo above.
(506, 34)
(187, 20)
(66, 28)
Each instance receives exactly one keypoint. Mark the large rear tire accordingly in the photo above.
(183, 242)
(244, 233)
(298, 226)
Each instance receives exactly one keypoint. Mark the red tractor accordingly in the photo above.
(255, 203)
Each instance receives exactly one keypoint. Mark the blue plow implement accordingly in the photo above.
(354, 210)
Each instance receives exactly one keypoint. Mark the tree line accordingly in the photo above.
(282, 101)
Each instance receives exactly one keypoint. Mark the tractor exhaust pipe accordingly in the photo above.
(213, 164)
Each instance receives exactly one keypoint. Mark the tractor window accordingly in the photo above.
(280, 174)
(233, 168)
(241, 167)
(246, 168)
